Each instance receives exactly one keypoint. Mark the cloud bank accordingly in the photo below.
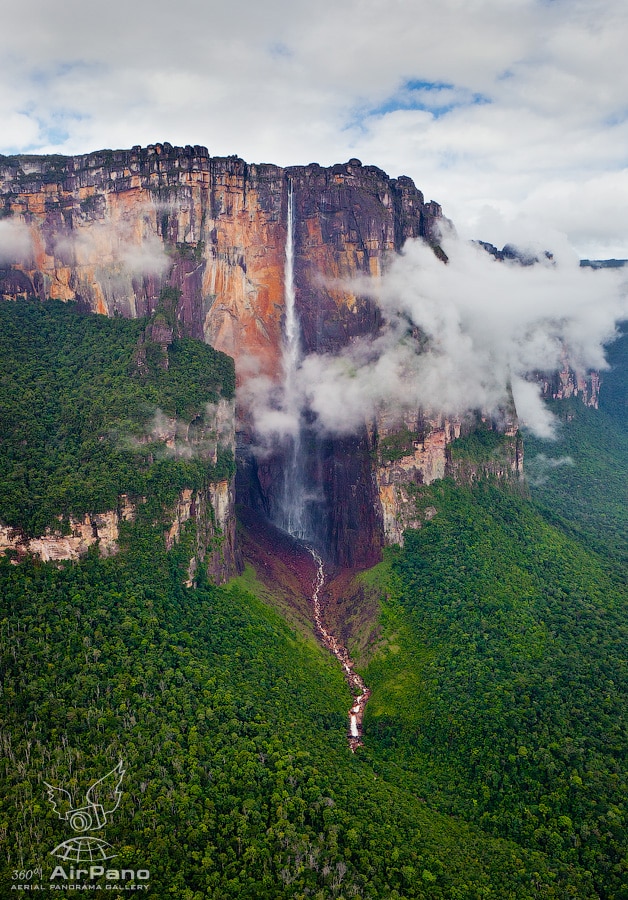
(459, 337)
(493, 108)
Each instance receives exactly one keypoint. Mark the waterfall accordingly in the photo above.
(296, 512)
(292, 513)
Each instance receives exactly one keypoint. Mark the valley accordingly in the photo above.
(344, 644)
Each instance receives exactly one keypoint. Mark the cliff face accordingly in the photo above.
(568, 383)
(111, 229)
(409, 453)
(348, 220)
(97, 528)
(213, 513)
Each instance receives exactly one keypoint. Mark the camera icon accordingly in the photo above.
(101, 800)
(89, 818)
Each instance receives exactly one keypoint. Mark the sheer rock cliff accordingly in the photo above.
(111, 229)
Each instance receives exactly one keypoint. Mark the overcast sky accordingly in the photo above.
(513, 114)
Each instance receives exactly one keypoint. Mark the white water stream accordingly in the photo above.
(359, 690)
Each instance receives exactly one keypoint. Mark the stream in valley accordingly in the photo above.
(359, 690)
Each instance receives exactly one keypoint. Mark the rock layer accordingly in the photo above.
(98, 528)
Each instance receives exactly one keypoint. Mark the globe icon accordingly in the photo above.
(84, 849)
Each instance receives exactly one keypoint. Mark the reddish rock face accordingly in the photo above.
(111, 229)
(568, 383)
(349, 220)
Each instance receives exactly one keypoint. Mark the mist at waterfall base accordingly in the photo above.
(458, 337)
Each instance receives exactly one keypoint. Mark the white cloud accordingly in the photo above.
(531, 410)
(145, 258)
(459, 337)
(124, 247)
(540, 467)
(281, 82)
(15, 241)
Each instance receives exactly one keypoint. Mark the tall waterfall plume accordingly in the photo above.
(292, 513)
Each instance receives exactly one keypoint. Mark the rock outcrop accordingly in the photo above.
(212, 511)
(418, 451)
(569, 383)
(409, 453)
(95, 528)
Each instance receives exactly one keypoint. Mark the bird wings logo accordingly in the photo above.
(101, 800)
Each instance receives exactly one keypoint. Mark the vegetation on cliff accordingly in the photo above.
(77, 412)
(480, 445)
(398, 444)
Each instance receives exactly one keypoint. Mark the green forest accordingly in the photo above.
(504, 692)
(76, 411)
(586, 492)
(495, 742)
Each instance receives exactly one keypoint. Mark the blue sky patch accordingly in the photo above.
(280, 50)
(44, 76)
(435, 97)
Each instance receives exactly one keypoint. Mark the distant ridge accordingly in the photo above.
(604, 263)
